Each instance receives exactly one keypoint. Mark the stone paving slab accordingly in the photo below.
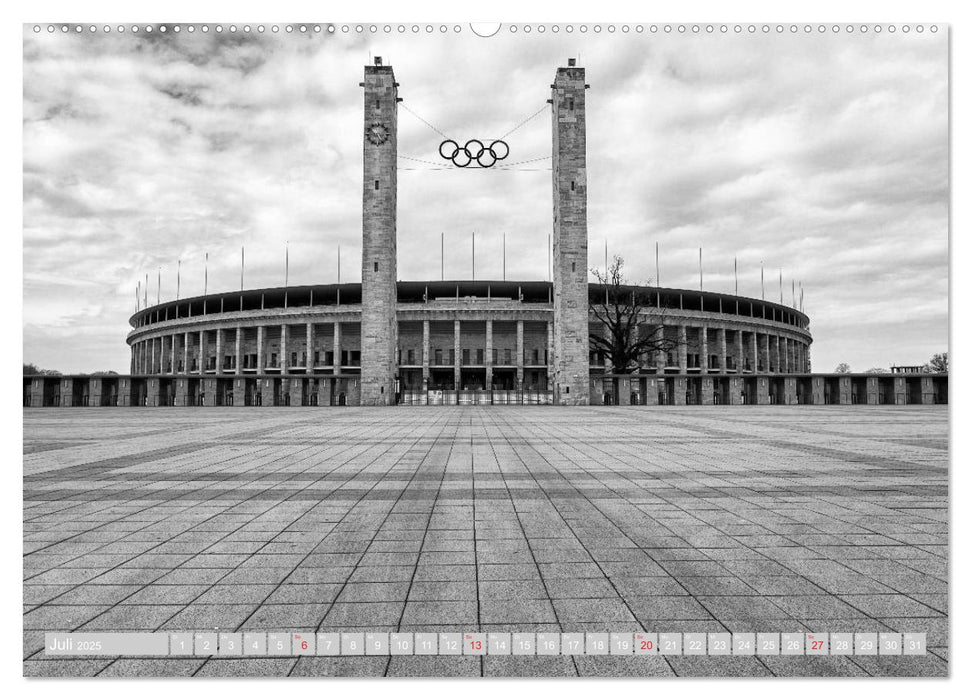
(690, 519)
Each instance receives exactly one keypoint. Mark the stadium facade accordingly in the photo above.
(385, 341)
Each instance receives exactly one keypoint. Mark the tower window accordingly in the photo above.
(375, 266)
(573, 185)
(574, 267)
(377, 104)
(571, 104)
(377, 184)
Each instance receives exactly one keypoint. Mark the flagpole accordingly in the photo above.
(443, 255)
(657, 264)
(736, 276)
(178, 281)
(205, 288)
(701, 273)
(503, 257)
(762, 263)
(338, 263)
(780, 286)
(242, 266)
(158, 288)
(473, 256)
(606, 275)
(146, 290)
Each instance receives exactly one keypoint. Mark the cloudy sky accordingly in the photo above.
(823, 155)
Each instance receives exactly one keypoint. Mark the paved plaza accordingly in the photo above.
(522, 519)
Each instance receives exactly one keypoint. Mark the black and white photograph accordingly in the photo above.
(536, 349)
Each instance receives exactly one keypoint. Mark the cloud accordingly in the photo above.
(822, 155)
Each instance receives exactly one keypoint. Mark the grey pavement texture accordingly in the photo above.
(707, 519)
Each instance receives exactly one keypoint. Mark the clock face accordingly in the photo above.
(377, 134)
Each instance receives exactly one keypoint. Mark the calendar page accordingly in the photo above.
(543, 349)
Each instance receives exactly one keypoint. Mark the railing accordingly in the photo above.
(473, 397)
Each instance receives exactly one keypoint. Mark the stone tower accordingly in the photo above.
(379, 269)
(571, 352)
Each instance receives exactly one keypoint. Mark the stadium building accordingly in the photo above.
(386, 341)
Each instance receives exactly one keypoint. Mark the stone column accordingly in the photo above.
(520, 349)
(764, 352)
(219, 350)
(789, 391)
(203, 351)
(755, 353)
(260, 339)
(488, 355)
(722, 350)
(735, 385)
(899, 390)
(568, 361)
(151, 367)
(650, 394)
(379, 327)
(872, 390)
(818, 391)
(762, 391)
(660, 356)
(623, 391)
(566, 378)
(173, 358)
(296, 391)
(310, 348)
(209, 387)
(457, 346)
(185, 353)
(739, 352)
(284, 358)
(151, 393)
(239, 357)
(680, 389)
(785, 355)
(682, 349)
(845, 391)
(337, 347)
(426, 347)
(703, 336)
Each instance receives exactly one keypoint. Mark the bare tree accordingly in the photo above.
(937, 364)
(842, 368)
(619, 310)
(31, 368)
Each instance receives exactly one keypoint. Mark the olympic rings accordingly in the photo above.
(474, 150)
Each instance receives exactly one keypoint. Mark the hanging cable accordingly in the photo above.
(525, 121)
(425, 121)
(427, 162)
(521, 162)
